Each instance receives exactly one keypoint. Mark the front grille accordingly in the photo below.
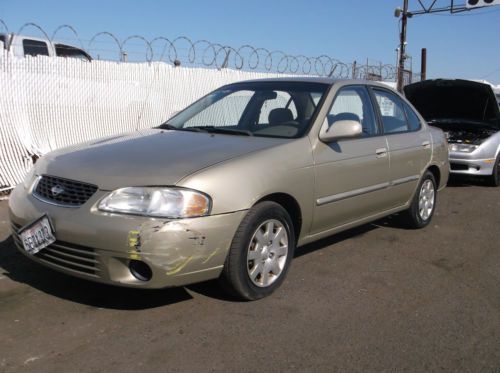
(73, 257)
(63, 191)
(458, 167)
(63, 255)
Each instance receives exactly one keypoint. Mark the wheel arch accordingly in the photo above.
(436, 172)
(290, 204)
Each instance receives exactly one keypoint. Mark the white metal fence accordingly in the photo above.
(48, 103)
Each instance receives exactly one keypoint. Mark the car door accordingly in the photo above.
(351, 174)
(408, 141)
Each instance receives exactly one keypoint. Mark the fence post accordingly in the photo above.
(226, 60)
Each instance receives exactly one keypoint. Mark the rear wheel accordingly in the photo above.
(423, 204)
(261, 252)
(495, 177)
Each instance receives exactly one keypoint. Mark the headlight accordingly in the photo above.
(464, 148)
(157, 202)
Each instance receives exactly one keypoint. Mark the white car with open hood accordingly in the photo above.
(468, 112)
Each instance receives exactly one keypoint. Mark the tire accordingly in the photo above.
(423, 204)
(494, 179)
(254, 269)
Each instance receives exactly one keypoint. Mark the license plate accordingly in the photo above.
(37, 235)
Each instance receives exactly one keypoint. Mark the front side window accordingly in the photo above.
(270, 109)
(35, 48)
(391, 109)
(353, 103)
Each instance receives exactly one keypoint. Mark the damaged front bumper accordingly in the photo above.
(101, 246)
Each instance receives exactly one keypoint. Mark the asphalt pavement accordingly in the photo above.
(375, 298)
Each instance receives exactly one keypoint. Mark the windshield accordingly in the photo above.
(271, 109)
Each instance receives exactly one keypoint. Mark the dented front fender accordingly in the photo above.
(178, 251)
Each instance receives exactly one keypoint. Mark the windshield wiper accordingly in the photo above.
(228, 131)
(167, 126)
(208, 129)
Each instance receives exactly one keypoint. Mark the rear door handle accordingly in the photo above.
(381, 152)
(426, 144)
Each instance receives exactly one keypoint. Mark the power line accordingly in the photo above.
(404, 15)
(461, 15)
(490, 73)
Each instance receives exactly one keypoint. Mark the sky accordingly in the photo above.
(465, 45)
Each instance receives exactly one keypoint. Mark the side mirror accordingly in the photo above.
(340, 129)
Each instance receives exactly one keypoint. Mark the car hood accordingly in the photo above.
(456, 100)
(149, 157)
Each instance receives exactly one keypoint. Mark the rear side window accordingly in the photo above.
(2, 39)
(413, 120)
(391, 109)
(35, 48)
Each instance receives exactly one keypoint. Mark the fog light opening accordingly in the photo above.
(140, 270)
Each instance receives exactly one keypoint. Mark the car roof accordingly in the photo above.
(45, 40)
(314, 79)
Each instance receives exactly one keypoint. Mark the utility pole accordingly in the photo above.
(434, 7)
(423, 61)
(402, 46)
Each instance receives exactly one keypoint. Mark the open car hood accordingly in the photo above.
(460, 100)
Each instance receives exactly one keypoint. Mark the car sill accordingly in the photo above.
(357, 192)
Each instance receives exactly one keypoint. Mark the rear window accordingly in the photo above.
(63, 50)
(35, 48)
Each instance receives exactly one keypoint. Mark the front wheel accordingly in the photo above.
(495, 177)
(260, 253)
(423, 204)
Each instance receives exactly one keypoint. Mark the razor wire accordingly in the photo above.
(203, 53)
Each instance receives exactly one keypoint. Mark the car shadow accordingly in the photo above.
(464, 181)
(212, 289)
(22, 270)
(392, 221)
(18, 268)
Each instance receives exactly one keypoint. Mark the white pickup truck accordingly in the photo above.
(21, 46)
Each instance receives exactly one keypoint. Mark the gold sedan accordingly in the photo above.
(230, 186)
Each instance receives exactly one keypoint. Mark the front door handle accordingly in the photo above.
(426, 144)
(381, 152)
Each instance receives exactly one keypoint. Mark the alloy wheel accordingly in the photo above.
(426, 200)
(267, 253)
